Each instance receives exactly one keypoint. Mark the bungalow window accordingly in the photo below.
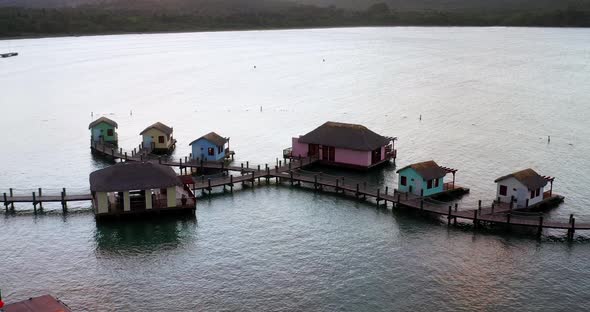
(533, 194)
(161, 139)
(436, 181)
(503, 190)
(538, 192)
(211, 151)
(429, 184)
(219, 149)
(403, 181)
(110, 132)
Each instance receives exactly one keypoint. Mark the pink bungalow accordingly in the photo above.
(346, 145)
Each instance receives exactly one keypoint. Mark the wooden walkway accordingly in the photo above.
(494, 214)
(184, 163)
(291, 172)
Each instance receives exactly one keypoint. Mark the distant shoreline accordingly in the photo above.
(24, 23)
(48, 36)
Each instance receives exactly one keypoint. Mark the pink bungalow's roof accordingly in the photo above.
(344, 135)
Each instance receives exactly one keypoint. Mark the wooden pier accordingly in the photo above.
(497, 213)
(291, 171)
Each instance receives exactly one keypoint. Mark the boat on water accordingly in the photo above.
(9, 54)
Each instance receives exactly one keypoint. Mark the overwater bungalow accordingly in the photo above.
(135, 188)
(424, 178)
(158, 138)
(210, 147)
(345, 145)
(103, 130)
(525, 188)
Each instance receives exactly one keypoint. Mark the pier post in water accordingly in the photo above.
(540, 229)
(5, 201)
(40, 202)
(34, 204)
(11, 203)
(449, 215)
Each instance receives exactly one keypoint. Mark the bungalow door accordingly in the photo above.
(376, 156)
(325, 153)
(314, 150)
(332, 150)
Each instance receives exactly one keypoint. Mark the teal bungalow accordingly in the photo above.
(422, 179)
(103, 130)
(210, 147)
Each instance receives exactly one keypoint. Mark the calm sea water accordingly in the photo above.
(489, 97)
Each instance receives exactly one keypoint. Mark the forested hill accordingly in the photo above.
(76, 17)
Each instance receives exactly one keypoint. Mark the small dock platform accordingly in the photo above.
(45, 303)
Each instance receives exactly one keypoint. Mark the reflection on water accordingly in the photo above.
(144, 236)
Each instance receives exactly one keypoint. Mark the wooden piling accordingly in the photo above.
(540, 228)
(11, 195)
(5, 201)
(449, 215)
(40, 195)
(475, 222)
(34, 203)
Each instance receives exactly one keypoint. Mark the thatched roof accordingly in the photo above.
(133, 176)
(528, 177)
(159, 126)
(428, 170)
(213, 138)
(101, 120)
(343, 135)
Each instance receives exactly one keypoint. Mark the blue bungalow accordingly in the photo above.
(103, 130)
(422, 179)
(210, 147)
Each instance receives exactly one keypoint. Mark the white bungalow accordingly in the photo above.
(525, 187)
(131, 188)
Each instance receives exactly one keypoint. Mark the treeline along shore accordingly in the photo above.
(38, 22)
(17, 21)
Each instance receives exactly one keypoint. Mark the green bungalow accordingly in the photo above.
(422, 179)
(103, 130)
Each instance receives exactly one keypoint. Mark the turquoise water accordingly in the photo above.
(489, 97)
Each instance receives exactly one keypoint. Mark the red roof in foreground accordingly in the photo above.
(45, 303)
